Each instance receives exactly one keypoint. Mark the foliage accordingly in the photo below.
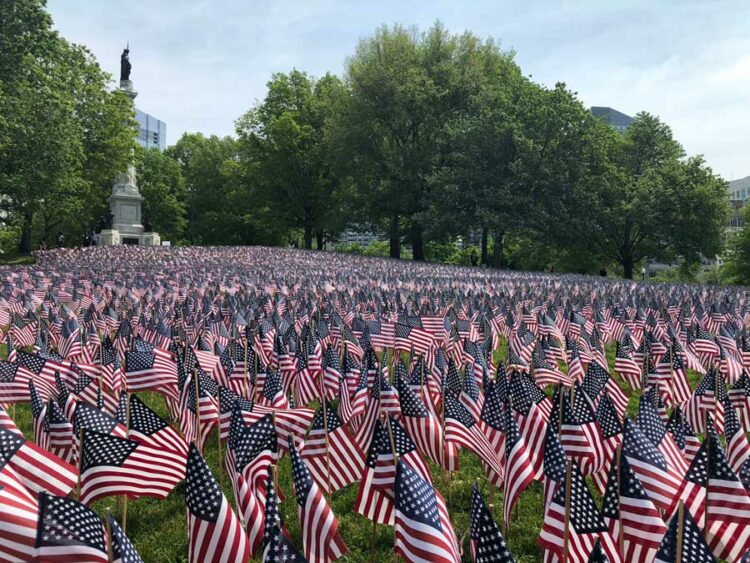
(63, 135)
(162, 186)
(657, 203)
(281, 141)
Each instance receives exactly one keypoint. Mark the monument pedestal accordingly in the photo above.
(125, 201)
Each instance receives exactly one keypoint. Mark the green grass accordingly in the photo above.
(159, 530)
(16, 259)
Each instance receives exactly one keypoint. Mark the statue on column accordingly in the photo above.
(125, 65)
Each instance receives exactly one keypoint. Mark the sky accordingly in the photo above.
(200, 64)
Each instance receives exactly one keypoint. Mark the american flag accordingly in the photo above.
(7, 423)
(320, 538)
(683, 435)
(147, 427)
(410, 337)
(649, 465)
(123, 550)
(627, 367)
(62, 441)
(532, 421)
(463, 430)
(631, 516)
(93, 418)
(738, 447)
(487, 543)
(654, 429)
(692, 548)
(14, 383)
(332, 456)
(69, 531)
(250, 457)
(611, 428)
(578, 512)
(519, 471)
(118, 466)
(422, 526)
(375, 495)
(214, 531)
(151, 371)
(727, 507)
(18, 526)
(423, 428)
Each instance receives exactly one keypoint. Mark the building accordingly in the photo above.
(739, 193)
(739, 190)
(615, 119)
(152, 132)
(353, 235)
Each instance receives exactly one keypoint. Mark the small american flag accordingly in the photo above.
(320, 537)
(693, 547)
(332, 456)
(630, 513)
(422, 526)
(118, 466)
(147, 427)
(214, 531)
(123, 550)
(69, 531)
(487, 543)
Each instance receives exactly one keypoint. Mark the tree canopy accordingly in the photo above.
(428, 137)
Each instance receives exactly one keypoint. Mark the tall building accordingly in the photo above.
(615, 119)
(739, 190)
(152, 132)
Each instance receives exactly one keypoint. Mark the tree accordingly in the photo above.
(658, 204)
(282, 141)
(389, 136)
(68, 134)
(163, 189)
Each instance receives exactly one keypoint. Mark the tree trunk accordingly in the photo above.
(417, 243)
(320, 240)
(497, 253)
(485, 257)
(627, 265)
(24, 246)
(308, 237)
(395, 237)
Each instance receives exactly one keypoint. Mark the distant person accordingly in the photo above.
(60, 239)
(603, 272)
(43, 245)
(86, 240)
(474, 258)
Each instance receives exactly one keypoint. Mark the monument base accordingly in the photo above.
(113, 237)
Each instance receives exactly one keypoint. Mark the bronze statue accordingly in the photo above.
(125, 65)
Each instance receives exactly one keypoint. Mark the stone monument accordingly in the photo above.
(125, 202)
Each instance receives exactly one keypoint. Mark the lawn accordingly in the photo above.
(158, 528)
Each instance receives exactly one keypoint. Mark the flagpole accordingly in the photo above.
(621, 532)
(80, 460)
(197, 410)
(325, 428)
(108, 514)
(566, 530)
(127, 434)
(680, 526)
(245, 382)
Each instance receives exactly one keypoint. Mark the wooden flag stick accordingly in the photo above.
(566, 530)
(325, 431)
(80, 461)
(124, 517)
(108, 527)
(621, 533)
(196, 390)
(680, 526)
(245, 382)
(372, 547)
